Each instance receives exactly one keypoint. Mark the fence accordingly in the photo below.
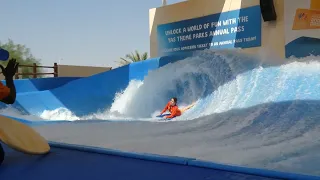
(34, 73)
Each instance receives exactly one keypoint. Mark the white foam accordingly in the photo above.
(59, 114)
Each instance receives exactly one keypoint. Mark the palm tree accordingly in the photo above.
(133, 57)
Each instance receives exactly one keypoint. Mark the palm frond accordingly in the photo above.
(133, 57)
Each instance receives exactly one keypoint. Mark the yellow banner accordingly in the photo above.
(306, 19)
(315, 4)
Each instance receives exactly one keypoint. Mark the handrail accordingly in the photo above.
(35, 73)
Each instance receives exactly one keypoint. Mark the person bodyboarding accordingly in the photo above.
(173, 108)
(8, 91)
(13, 133)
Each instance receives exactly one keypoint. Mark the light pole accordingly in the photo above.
(164, 2)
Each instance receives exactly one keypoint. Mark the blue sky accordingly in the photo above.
(78, 32)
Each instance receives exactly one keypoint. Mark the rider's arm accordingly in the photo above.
(165, 108)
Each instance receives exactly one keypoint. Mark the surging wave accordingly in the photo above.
(218, 81)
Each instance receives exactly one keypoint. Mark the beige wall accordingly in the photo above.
(79, 71)
(74, 71)
(272, 32)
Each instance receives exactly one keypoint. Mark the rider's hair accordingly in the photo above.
(175, 99)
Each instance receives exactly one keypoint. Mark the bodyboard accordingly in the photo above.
(21, 137)
(163, 115)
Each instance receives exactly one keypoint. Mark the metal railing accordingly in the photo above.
(35, 73)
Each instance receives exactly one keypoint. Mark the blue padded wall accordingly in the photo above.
(140, 69)
(40, 84)
(38, 101)
(30, 88)
(87, 95)
(81, 95)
